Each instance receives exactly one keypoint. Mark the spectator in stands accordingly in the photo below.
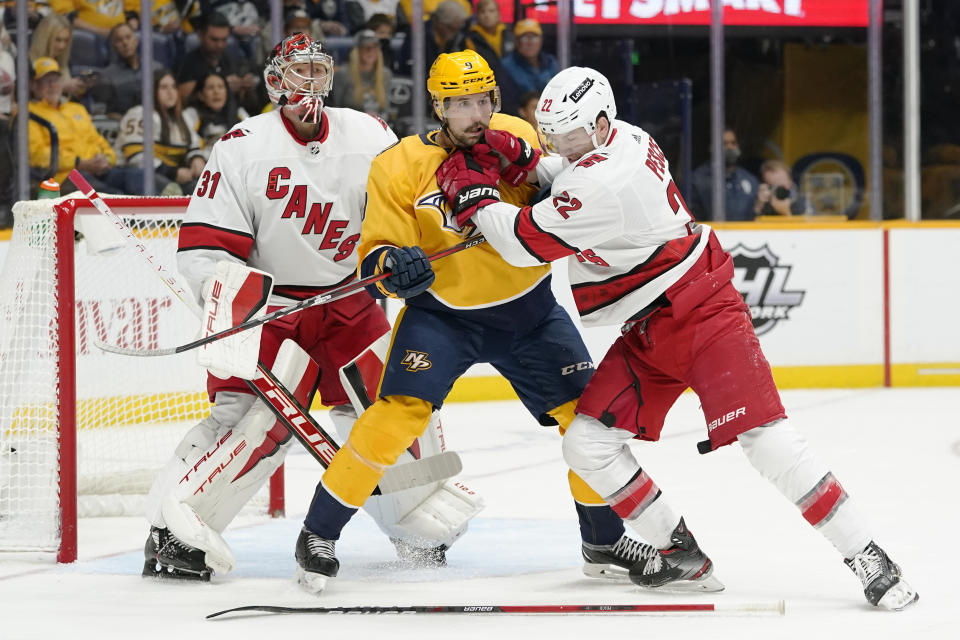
(489, 36)
(92, 15)
(213, 110)
(295, 20)
(384, 26)
(8, 75)
(166, 15)
(777, 195)
(177, 152)
(210, 56)
(242, 16)
(443, 34)
(298, 21)
(119, 86)
(740, 187)
(359, 12)
(528, 107)
(528, 65)
(405, 12)
(80, 145)
(363, 84)
(331, 15)
(52, 39)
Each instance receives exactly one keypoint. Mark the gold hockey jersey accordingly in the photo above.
(405, 207)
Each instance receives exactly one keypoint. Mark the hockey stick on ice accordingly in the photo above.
(295, 417)
(764, 608)
(330, 296)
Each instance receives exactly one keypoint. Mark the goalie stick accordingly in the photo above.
(764, 608)
(281, 402)
(330, 296)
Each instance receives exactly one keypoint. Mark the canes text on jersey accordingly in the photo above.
(317, 215)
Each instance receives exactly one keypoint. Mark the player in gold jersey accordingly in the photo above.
(469, 307)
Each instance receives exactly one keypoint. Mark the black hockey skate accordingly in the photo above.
(613, 560)
(168, 557)
(883, 584)
(420, 557)
(682, 567)
(316, 561)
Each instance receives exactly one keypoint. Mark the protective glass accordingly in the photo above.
(565, 144)
(484, 104)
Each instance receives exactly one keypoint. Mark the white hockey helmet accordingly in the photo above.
(287, 86)
(573, 99)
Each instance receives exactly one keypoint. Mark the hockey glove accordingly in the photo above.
(469, 183)
(521, 155)
(410, 272)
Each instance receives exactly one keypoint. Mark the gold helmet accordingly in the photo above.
(460, 74)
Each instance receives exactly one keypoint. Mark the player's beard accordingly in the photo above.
(465, 140)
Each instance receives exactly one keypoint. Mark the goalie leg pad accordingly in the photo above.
(223, 478)
(429, 516)
(236, 293)
(224, 416)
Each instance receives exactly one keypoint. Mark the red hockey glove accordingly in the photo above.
(468, 183)
(521, 155)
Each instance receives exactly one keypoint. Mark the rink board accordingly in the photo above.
(834, 305)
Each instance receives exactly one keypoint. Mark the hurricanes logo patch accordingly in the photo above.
(416, 361)
(762, 281)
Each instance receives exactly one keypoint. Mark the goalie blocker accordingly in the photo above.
(236, 293)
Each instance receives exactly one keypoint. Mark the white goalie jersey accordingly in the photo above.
(623, 221)
(284, 205)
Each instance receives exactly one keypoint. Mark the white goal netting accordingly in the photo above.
(130, 412)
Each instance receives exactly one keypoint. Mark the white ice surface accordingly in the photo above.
(897, 452)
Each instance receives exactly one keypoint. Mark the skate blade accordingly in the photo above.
(153, 569)
(898, 597)
(709, 584)
(605, 571)
(312, 582)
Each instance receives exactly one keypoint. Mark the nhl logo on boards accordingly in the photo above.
(762, 281)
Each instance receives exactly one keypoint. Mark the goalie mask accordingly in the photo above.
(570, 105)
(299, 74)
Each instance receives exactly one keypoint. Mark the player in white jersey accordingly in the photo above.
(282, 195)
(642, 261)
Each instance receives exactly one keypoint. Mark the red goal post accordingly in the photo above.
(84, 432)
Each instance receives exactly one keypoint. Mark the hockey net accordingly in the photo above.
(64, 284)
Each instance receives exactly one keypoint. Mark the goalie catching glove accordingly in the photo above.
(521, 155)
(469, 182)
(236, 293)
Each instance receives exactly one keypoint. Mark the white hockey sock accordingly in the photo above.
(782, 456)
(656, 523)
(600, 456)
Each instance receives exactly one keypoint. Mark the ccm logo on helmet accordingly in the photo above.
(477, 192)
(577, 93)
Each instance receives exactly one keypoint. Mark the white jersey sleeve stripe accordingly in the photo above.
(539, 242)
